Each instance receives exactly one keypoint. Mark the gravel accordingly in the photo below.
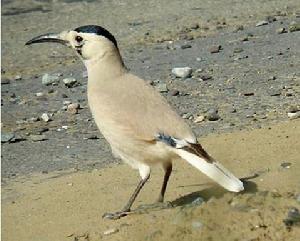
(50, 79)
(184, 72)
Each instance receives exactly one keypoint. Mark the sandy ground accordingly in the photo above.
(68, 206)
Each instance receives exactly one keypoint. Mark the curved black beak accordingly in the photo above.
(47, 38)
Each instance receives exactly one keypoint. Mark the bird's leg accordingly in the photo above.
(168, 170)
(159, 204)
(127, 207)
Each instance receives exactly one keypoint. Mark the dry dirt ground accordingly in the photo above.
(57, 189)
(61, 206)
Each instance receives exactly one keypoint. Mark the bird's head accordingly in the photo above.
(90, 41)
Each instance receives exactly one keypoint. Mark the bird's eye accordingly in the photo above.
(78, 38)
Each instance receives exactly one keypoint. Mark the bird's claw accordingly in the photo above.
(116, 215)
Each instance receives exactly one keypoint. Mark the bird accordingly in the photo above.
(138, 123)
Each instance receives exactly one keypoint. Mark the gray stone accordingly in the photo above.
(34, 119)
(110, 231)
(50, 79)
(293, 217)
(73, 108)
(205, 77)
(18, 77)
(294, 27)
(240, 57)
(183, 72)
(293, 109)
(281, 30)
(261, 23)
(215, 49)
(199, 119)
(238, 50)
(70, 82)
(185, 46)
(174, 92)
(7, 137)
(212, 114)
(293, 116)
(36, 138)
(45, 117)
(39, 94)
(162, 87)
(286, 165)
(187, 116)
(197, 201)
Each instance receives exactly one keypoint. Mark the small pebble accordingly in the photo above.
(215, 49)
(34, 119)
(185, 46)
(293, 109)
(294, 27)
(212, 114)
(238, 50)
(49, 79)
(261, 23)
(281, 30)
(18, 77)
(36, 138)
(174, 93)
(162, 87)
(205, 77)
(183, 72)
(286, 165)
(199, 119)
(73, 108)
(70, 82)
(45, 117)
(293, 217)
(111, 231)
(187, 116)
(39, 94)
(293, 116)
(7, 137)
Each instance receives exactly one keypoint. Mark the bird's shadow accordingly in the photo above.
(205, 194)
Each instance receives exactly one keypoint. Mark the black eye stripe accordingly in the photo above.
(78, 38)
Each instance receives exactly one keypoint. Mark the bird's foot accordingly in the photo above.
(116, 215)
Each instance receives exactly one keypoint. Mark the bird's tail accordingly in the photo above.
(197, 156)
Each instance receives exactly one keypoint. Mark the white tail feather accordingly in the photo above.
(213, 170)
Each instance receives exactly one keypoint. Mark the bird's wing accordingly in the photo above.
(130, 104)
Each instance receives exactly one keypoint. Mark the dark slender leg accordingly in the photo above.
(127, 207)
(168, 170)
